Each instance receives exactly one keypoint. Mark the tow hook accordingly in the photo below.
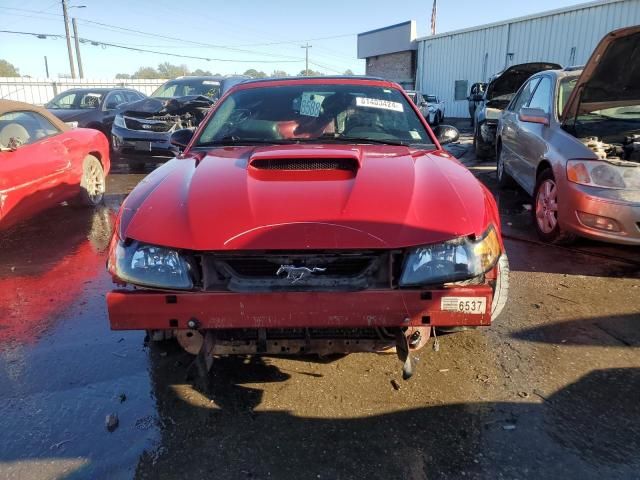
(402, 350)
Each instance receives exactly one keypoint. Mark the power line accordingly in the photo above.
(125, 47)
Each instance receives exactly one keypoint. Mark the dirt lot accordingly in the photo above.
(549, 391)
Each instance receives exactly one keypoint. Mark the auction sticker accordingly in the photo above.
(311, 104)
(378, 103)
(472, 305)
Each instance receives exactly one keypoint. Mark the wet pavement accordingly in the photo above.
(551, 390)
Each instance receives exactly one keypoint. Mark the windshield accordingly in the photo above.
(76, 100)
(184, 87)
(314, 112)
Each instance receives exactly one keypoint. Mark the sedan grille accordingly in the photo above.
(148, 125)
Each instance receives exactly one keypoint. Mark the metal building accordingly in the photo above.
(449, 63)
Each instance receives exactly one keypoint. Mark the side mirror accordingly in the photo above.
(533, 115)
(181, 138)
(446, 134)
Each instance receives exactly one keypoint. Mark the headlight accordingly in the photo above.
(455, 260)
(597, 173)
(119, 121)
(152, 266)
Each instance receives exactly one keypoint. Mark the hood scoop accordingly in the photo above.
(305, 164)
(307, 158)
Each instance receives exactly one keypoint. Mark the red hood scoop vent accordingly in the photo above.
(300, 164)
(307, 158)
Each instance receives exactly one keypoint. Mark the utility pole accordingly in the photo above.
(75, 37)
(306, 58)
(66, 29)
(46, 66)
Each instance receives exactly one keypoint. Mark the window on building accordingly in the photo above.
(461, 88)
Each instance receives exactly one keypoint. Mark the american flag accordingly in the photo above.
(433, 18)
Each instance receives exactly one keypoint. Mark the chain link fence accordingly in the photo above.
(40, 91)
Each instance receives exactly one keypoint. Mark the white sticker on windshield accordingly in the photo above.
(210, 82)
(377, 103)
(415, 135)
(310, 104)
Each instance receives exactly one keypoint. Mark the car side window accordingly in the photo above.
(114, 99)
(133, 96)
(524, 96)
(542, 96)
(24, 128)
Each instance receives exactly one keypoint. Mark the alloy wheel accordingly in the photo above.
(547, 206)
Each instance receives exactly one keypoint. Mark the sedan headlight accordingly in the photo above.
(598, 173)
(118, 121)
(451, 261)
(152, 266)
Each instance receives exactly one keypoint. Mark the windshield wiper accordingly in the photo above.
(231, 140)
(347, 139)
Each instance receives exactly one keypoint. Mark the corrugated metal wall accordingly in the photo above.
(567, 38)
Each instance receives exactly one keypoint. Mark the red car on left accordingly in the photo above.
(44, 162)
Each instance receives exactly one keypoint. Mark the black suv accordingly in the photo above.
(141, 130)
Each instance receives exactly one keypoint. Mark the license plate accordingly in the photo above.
(471, 305)
(144, 146)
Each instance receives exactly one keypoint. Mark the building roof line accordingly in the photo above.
(548, 13)
(386, 28)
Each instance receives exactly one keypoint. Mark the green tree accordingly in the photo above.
(146, 72)
(253, 73)
(310, 73)
(201, 72)
(168, 70)
(279, 74)
(348, 71)
(8, 70)
(124, 76)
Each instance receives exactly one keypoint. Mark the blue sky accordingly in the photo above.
(269, 33)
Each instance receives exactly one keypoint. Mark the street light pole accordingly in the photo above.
(306, 58)
(77, 41)
(66, 29)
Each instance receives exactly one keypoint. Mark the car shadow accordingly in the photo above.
(587, 429)
(606, 331)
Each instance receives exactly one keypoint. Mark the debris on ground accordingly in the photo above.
(111, 422)
(122, 397)
(59, 444)
(536, 305)
(121, 355)
(482, 377)
(539, 393)
(442, 370)
(395, 385)
(509, 426)
(523, 394)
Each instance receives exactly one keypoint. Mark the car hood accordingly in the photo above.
(397, 198)
(70, 115)
(510, 80)
(160, 106)
(611, 77)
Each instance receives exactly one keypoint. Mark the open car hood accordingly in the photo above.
(611, 77)
(510, 80)
(170, 106)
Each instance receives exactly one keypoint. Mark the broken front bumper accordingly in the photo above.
(151, 310)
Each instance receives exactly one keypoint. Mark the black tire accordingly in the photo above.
(481, 148)
(504, 179)
(92, 183)
(545, 220)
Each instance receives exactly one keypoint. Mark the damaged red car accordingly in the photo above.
(308, 216)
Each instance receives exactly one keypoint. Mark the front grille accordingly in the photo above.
(320, 271)
(148, 125)
(306, 164)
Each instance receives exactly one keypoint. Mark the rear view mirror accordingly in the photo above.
(181, 138)
(446, 134)
(533, 115)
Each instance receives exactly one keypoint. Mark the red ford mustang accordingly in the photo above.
(308, 215)
(43, 162)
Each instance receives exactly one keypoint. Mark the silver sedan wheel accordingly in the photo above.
(547, 206)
